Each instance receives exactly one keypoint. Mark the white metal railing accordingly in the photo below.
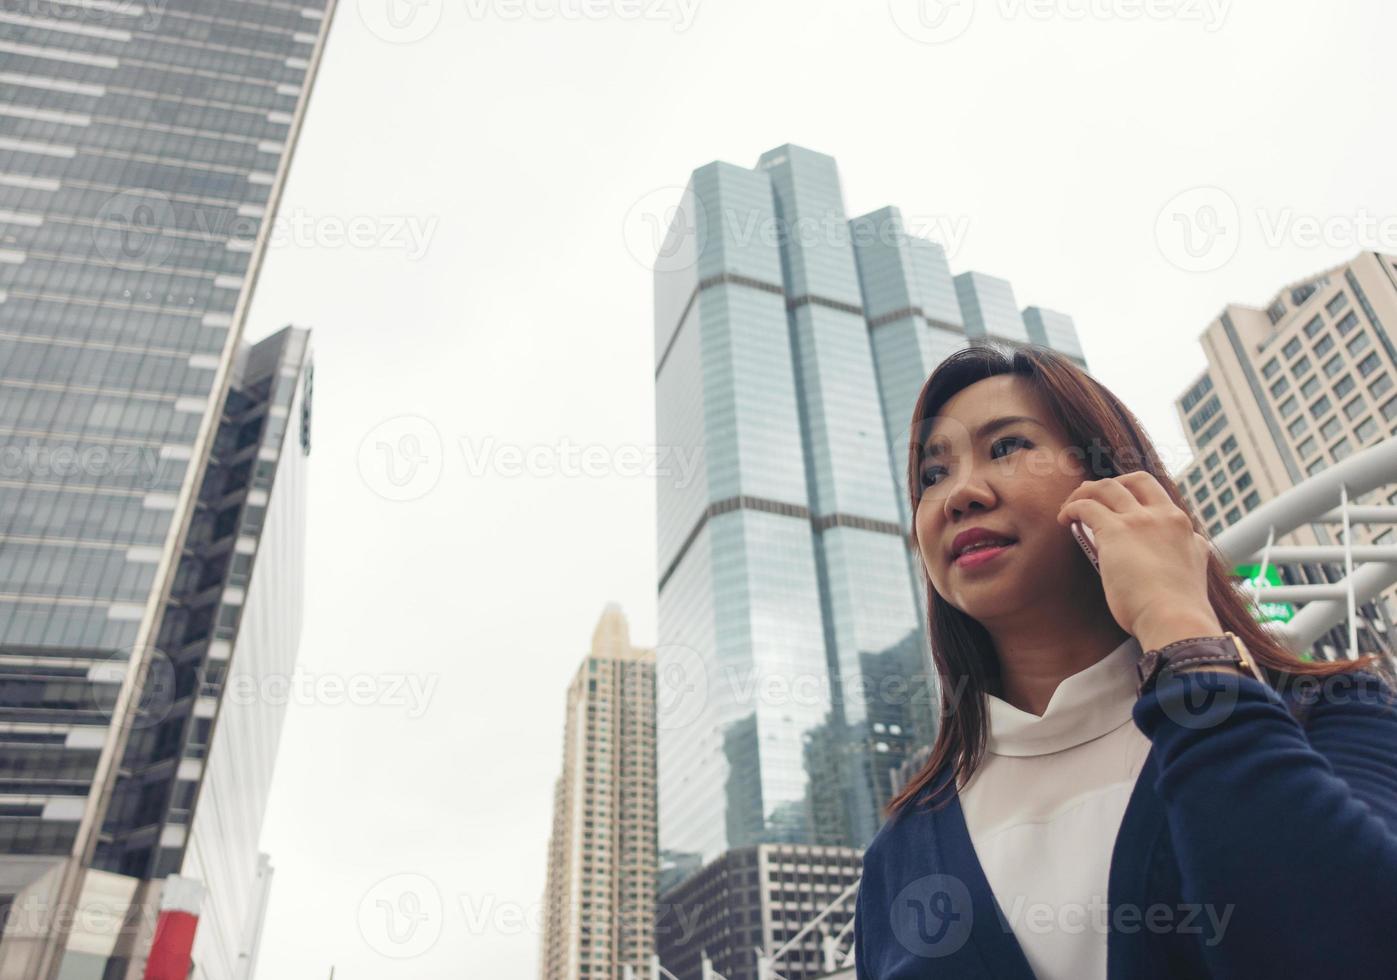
(1312, 502)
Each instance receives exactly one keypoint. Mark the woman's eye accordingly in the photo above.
(1009, 439)
(929, 473)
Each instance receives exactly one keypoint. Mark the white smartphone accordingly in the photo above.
(1088, 542)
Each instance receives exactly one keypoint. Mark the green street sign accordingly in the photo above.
(1267, 612)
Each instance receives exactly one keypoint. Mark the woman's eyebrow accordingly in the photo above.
(993, 425)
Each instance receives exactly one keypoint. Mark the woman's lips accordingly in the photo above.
(973, 559)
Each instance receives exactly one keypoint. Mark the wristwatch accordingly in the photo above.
(1225, 649)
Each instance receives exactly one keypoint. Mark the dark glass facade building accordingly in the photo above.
(143, 148)
(793, 675)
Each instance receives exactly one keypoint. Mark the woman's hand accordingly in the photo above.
(1153, 563)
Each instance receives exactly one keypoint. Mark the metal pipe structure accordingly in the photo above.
(1312, 502)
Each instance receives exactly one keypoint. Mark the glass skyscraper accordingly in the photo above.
(792, 669)
(145, 452)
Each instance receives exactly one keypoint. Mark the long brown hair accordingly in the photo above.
(1114, 442)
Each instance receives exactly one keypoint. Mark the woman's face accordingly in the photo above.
(1011, 479)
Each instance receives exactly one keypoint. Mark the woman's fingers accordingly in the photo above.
(1093, 513)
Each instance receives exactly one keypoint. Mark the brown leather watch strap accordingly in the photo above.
(1192, 652)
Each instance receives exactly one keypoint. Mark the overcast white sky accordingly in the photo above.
(497, 161)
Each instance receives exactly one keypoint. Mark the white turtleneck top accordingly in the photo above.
(1044, 808)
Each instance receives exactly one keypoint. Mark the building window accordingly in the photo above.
(1210, 408)
(1325, 345)
(1310, 386)
(1340, 449)
(1307, 447)
(1343, 386)
(1380, 384)
(1251, 500)
(1233, 516)
(1225, 497)
(1212, 461)
(1300, 424)
(1314, 327)
(1235, 463)
(1215, 528)
(1358, 344)
(1243, 481)
(1195, 477)
(1280, 387)
(1203, 492)
(1288, 406)
(1300, 366)
(1291, 349)
(1368, 365)
(1333, 366)
(1269, 371)
(1195, 394)
(1347, 323)
(1320, 407)
(1209, 511)
(1219, 478)
(1366, 430)
(1336, 303)
(1354, 408)
(1228, 444)
(1331, 428)
(1315, 467)
(1389, 409)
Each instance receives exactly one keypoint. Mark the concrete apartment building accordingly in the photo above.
(1291, 388)
(599, 899)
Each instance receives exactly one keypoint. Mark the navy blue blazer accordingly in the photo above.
(1259, 841)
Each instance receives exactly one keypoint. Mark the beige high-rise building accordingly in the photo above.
(1290, 389)
(599, 901)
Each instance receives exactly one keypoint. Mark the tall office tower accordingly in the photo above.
(1288, 390)
(790, 346)
(143, 149)
(187, 802)
(1048, 328)
(599, 901)
(989, 307)
(759, 898)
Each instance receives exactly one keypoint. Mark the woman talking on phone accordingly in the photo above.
(1132, 778)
